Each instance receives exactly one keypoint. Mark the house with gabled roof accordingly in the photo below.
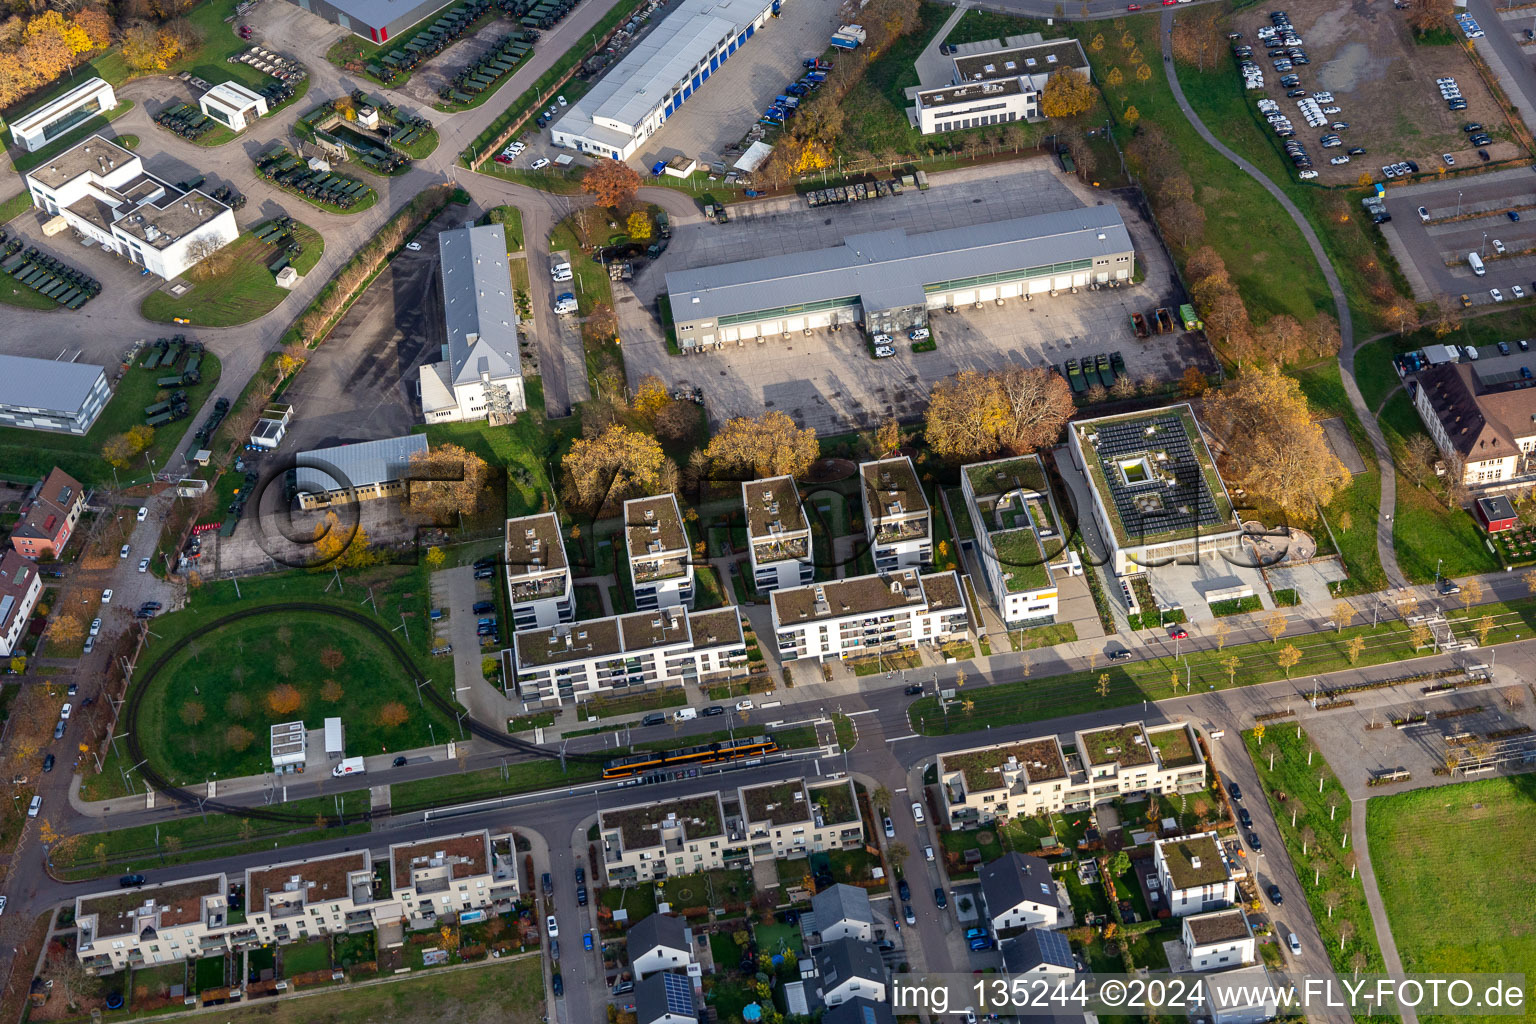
(1019, 892)
(658, 942)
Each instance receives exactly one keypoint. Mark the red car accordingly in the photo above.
(1178, 633)
(1169, 3)
(1133, 7)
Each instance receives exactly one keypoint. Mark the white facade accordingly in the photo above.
(103, 192)
(664, 68)
(897, 520)
(1194, 875)
(482, 376)
(20, 587)
(660, 557)
(232, 104)
(1242, 996)
(1218, 941)
(1019, 892)
(778, 534)
(538, 575)
(45, 124)
(1018, 540)
(995, 86)
(868, 614)
(643, 650)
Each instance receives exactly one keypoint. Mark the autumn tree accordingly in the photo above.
(639, 226)
(1197, 38)
(144, 50)
(96, 23)
(651, 396)
(1275, 625)
(1288, 657)
(120, 449)
(340, 547)
(1343, 615)
(765, 445)
(965, 416)
(210, 259)
(435, 557)
(444, 482)
(1193, 383)
(677, 421)
(331, 692)
(66, 630)
(1275, 448)
(1356, 645)
(1428, 16)
(1471, 592)
(284, 699)
(1067, 93)
(192, 713)
(238, 738)
(601, 472)
(612, 183)
(393, 714)
(1036, 404)
(887, 436)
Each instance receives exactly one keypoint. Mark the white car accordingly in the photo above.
(95, 627)
(1336, 161)
(744, 705)
(884, 351)
(1307, 175)
(1517, 291)
(917, 812)
(413, 246)
(1498, 296)
(1498, 247)
(143, 513)
(123, 551)
(551, 925)
(143, 565)
(539, 164)
(882, 339)
(560, 100)
(1450, 161)
(106, 596)
(1424, 214)
(65, 711)
(919, 334)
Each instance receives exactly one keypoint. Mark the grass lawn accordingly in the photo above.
(1298, 781)
(1456, 866)
(1425, 533)
(13, 293)
(301, 958)
(247, 291)
(208, 972)
(506, 991)
(24, 161)
(524, 777)
(708, 889)
(519, 450)
(32, 453)
(230, 678)
(15, 206)
(638, 900)
(777, 938)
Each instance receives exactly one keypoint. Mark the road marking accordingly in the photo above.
(908, 736)
(856, 714)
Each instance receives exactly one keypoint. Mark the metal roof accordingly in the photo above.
(663, 58)
(357, 465)
(233, 96)
(378, 13)
(887, 269)
(46, 384)
(477, 304)
(52, 109)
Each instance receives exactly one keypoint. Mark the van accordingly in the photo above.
(684, 715)
(349, 766)
(655, 718)
(1476, 263)
(1294, 943)
(35, 806)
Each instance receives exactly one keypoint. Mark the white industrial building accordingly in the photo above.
(51, 394)
(993, 85)
(868, 615)
(290, 747)
(538, 574)
(232, 104)
(103, 191)
(480, 376)
(663, 70)
(890, 279)
(35, 130)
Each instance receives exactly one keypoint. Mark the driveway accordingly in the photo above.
(456, 591)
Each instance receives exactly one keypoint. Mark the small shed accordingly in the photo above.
(1496, 513)
(335, 740)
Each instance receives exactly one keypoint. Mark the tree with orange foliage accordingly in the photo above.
(612, 183)
(393, 714)
(96, 23)
(284, 699)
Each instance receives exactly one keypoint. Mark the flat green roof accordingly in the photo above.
(1019, 556)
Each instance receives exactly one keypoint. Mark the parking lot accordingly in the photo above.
(827, 380)
(722, 112)
(1383, 84)
(1433, 254)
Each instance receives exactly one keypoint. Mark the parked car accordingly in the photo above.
(1514, 215)
(919, 334)
(913, 689)
(482, 607)
(1274, 895)
(1449, 587)
(64, 712)
(58, 730)
(656, 718)
(143, 565)
(1424, 214)
(539, 164)
(939, 898)
(917, 812)
(744, 705)
(713, 710)
(890, 828)
(48, 764)
(106, 596)
(552, 926)
(547, 883)
(95, 627)
(903, 889)
(1291, 939)
(1234, 792)
(581, 896)
(143, 513)
(128, 880)
(1177, 632)
(907, 915)
(1244, 818)
(557, 983)
(123, 552)
(1498, 296)
(586, 942)
(1120, 655)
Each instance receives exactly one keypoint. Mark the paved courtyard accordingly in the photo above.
(827, 379)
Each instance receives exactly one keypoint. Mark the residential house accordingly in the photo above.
(865, 616)
(441, 878)
(1019, 541)
(660, 558)
(778, 534)
(1482, 416)
(665, 998)
(859, 1010)
(1157, 495)
(640, 651)
(1035, 951)
(650, 842)
(155, 924)
(1218, 941)
(897, 522)
(842, 912)
(850, 969)
(20, 587)
(538, 574)
(658, 942)
(1040, 775)
(1019, 892)
(49, 517)
(785, 820)
(1193, 874)
(320, 896)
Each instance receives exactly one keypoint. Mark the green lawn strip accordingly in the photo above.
(1071, 693)
(511, 220)
(24, 161)
(304, 957)
(247, 291)
(847, 735)
(1353, 511)
(1428, 536)
(189, 839)
(485, 783)
(15, 206)
(1264, 251)
(32, 453)
(507, 990)
(1322, 831)
(1456, 868)
(1350, 240)
(14, 293)
(520, 449)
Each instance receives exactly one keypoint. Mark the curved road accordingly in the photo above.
(1383, 458)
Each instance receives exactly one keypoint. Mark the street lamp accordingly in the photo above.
(1458, 204)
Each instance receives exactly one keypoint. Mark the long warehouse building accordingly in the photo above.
(890, 279)
(663, 70)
